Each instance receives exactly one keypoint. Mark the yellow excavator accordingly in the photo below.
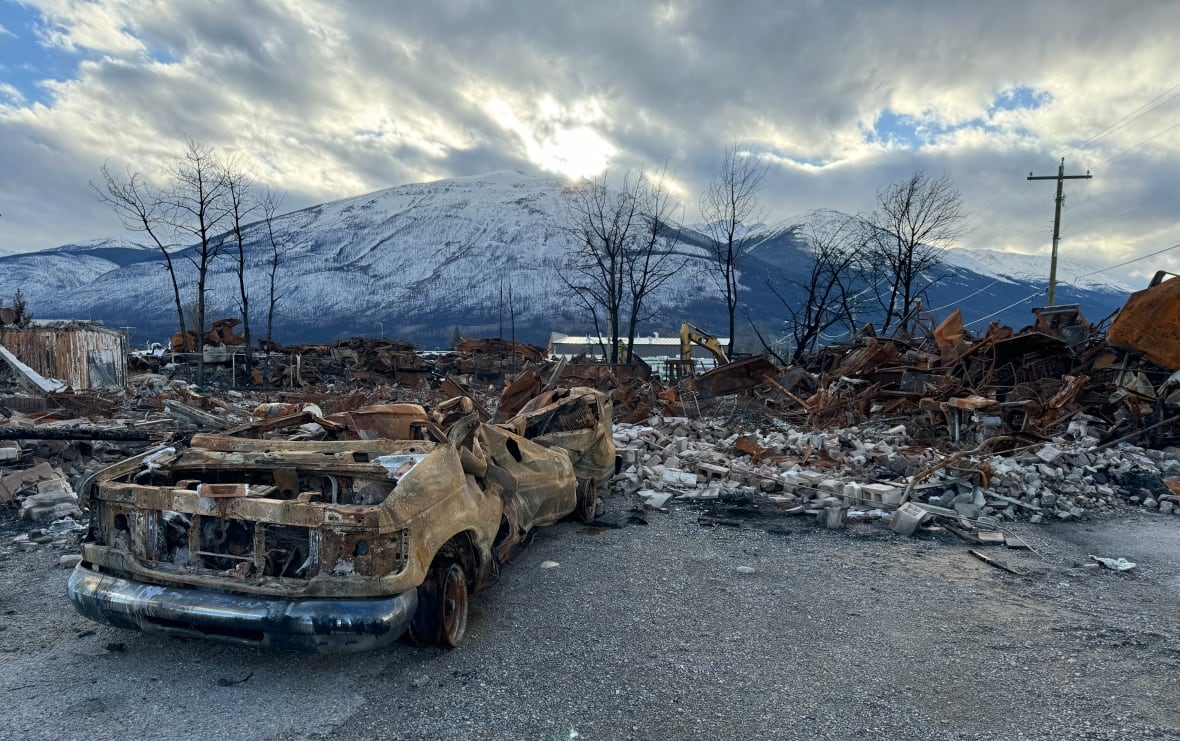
(692, 335)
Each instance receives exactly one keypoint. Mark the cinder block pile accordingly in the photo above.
(876, 469)
(42, 492)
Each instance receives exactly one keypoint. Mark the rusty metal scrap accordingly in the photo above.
(1149, 323)
(951, 336)
(1064, 322)
(517, 393)
(733, 378)
(84, 356)
(501, 347)
(1026, 383)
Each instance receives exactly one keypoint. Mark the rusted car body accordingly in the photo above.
(342, 543)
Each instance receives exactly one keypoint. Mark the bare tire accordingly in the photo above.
(441, 617)
(587, 500)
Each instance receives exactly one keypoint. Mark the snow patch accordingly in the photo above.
(1012, 267)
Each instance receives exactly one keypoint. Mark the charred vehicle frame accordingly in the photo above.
(341, 537)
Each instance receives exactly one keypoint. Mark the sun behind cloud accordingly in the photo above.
(575, 151)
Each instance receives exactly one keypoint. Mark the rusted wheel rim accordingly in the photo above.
(587, 500)
(454, 605)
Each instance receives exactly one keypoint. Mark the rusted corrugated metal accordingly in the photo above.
(83, 355)
(1150, 322)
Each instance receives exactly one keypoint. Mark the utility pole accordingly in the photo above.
(1060, 177)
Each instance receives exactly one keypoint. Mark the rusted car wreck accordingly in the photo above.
(343, 535)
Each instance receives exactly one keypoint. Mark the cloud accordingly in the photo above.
(328, 100)
(11, 94)
(75, 25)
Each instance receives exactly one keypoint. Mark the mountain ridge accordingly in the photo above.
(477, 253)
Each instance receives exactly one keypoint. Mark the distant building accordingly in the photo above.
(86, 355)
(654, 350)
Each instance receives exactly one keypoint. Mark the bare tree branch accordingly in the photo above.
(915, 220)
(826, 285)
(625, 239)
(142, 208)
(728, 207)
(605, 222)
(279, 244)
(241, 202)
(652, 262)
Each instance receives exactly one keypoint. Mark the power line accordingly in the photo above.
(1140, 144)
(1128, 262)
(1025, 300)
(1127, 119)
(1073, 282)
(1166, 96)
(969, 295)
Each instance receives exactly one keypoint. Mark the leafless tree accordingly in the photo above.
(915, 220)
(277, 244)
(728, 207)
(826, 288)
(239, 191)
(624, 253)
(198, 209)
(142, 207)
(190, 210)
(652, 260)
(605, 222)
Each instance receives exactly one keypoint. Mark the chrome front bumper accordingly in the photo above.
(311, 625)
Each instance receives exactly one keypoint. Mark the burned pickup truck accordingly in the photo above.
(342, 535)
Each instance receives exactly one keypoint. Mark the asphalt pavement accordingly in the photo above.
(654, 632)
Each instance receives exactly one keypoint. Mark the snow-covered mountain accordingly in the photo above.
(1016, 267)
(478, 253)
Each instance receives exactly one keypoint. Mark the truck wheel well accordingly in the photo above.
(461, 549)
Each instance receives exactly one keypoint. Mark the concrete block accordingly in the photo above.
(656, 500)
(1050, 453)
(54, 486)
(968, 510)
(852, 493)
(69, 561)
(711, 471)
(883, 493)
(907, 518)
(48, 512)
(831, 486)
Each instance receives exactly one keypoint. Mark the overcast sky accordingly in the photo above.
(332, 99)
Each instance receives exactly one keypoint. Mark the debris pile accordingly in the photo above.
(945, 427)
(1057, 376)
(42, 492)
(879, 469)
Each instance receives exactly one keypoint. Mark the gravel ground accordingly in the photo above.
(650, 632)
